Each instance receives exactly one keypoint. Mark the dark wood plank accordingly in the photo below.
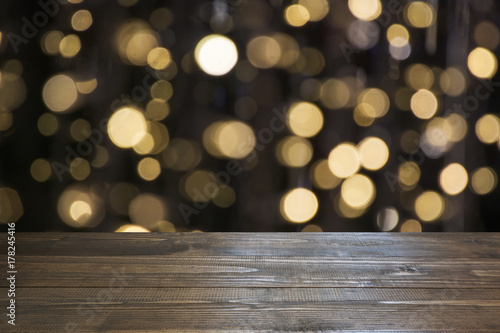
(257, 271)
(218, 282)
(257, 310)
(407, 245)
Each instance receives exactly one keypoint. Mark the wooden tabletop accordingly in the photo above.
(255, 282)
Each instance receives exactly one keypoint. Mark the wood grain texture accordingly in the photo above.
(257, 309)
(235, 282)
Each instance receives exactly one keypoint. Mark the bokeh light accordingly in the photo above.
(79, 208)
(482, 63)
(296, 15)
(484, 180)
(127, 127)
(429, 206)
(358, 191)
(366, 10)
(299, 205)
(424, 104)
(373, 153)
(357, 115)
(387, 219)
(344, 160)
(488, 128)
(216, 54)
(305, 119)
(59, 93)
(81, 20)
(420, 14)
(11, 208)
(453, 179)
(40, 170)
(294, 151)
(149, 168)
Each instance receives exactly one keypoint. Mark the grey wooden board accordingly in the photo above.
(255, 282)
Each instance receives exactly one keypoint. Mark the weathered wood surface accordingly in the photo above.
(235, 282)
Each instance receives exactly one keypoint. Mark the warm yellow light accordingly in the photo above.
(182, 155)
(149, 168)
(419, 76)
(488, 128)
(59, 93)
(157, 109)
(334, 94)
(138, 46)
(305, 119)
(344, 210)
(51, 41)
(376, 99)
(81, 20)
(373, 153)
(398, 35)
(86, 87)
(344, 160)
(263, 52)
(411, 226)
(40, 170)
(482, 63)
(364, 114)
(225, 197)
(299, 205)
(80, 130)
(147, 210)
(199, 186)
(366, 10)
(294, 151)
(312, 228)
(164, 226)
(159, 58)
(424, 104)
(79, 208)
(458, 126)
(80, 212)
(127, 127)
(162, 90)
(70, 46)
(322, 176)
(131, 228)
(429, 206)
(216, 55)
(47, 124)
(154, 141)
(296, 15)
(453, 179)
(11, 208)
(5, 119)
(452, 81)
(484, 180)
(235, 139)
(358, 191)
(134, 40)
(408, 175)
(317, 9)
(79, 168)
(419, 14)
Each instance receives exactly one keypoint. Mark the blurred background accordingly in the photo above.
(249, 115)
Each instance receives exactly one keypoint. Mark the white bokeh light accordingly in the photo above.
(216, 55)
